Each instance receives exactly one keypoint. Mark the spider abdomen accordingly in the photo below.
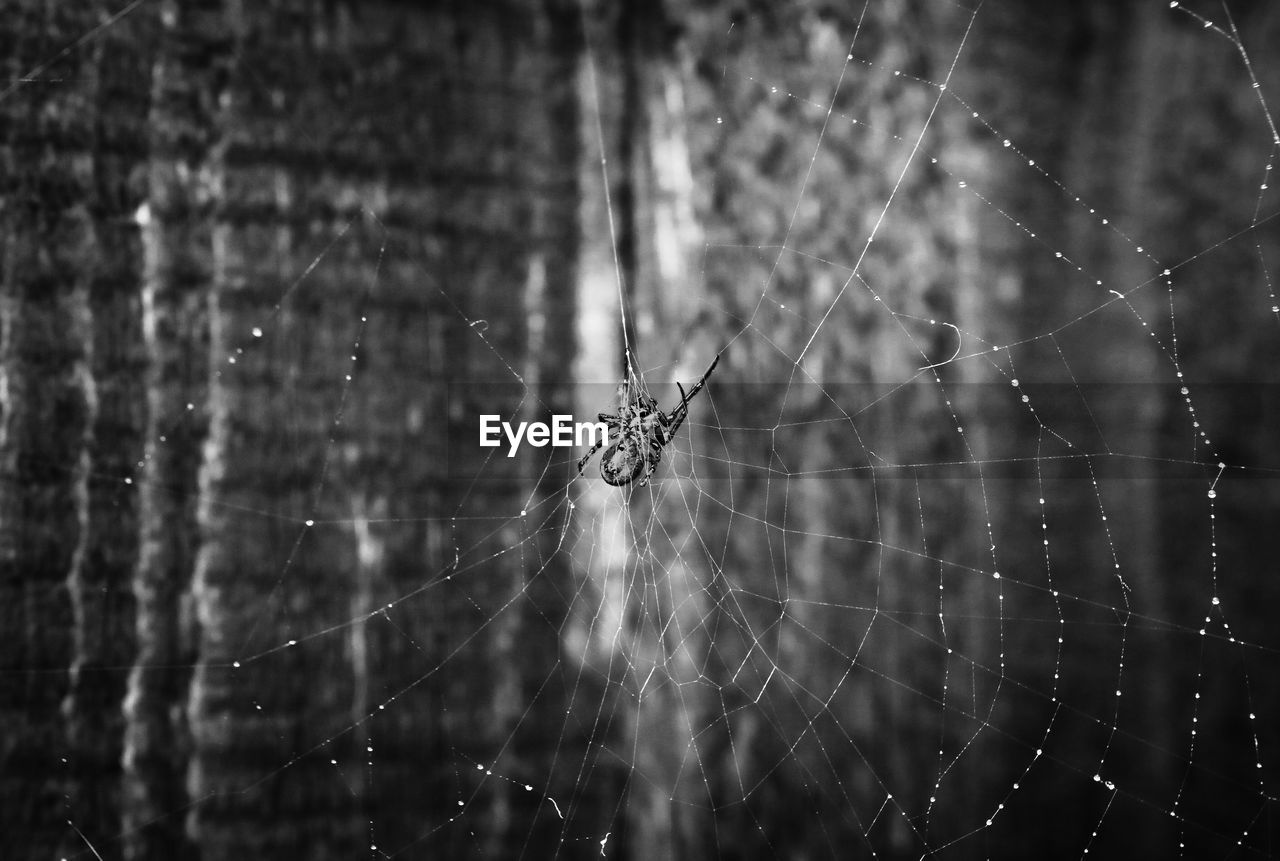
(620, 463)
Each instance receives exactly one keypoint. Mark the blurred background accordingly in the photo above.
(967, 550)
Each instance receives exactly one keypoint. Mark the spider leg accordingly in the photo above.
(651, 464)
(675, 419)
(677, 416)
(586, 457)
(697, 387)
(613, 423)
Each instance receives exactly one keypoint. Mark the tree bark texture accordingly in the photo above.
(101, 585)
(189, 76)
(61, 578)
(396, 180)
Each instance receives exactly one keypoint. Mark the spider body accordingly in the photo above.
(639, 433)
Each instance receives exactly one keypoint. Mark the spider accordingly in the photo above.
(640, 432)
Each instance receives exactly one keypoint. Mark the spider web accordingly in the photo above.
(921, 575)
